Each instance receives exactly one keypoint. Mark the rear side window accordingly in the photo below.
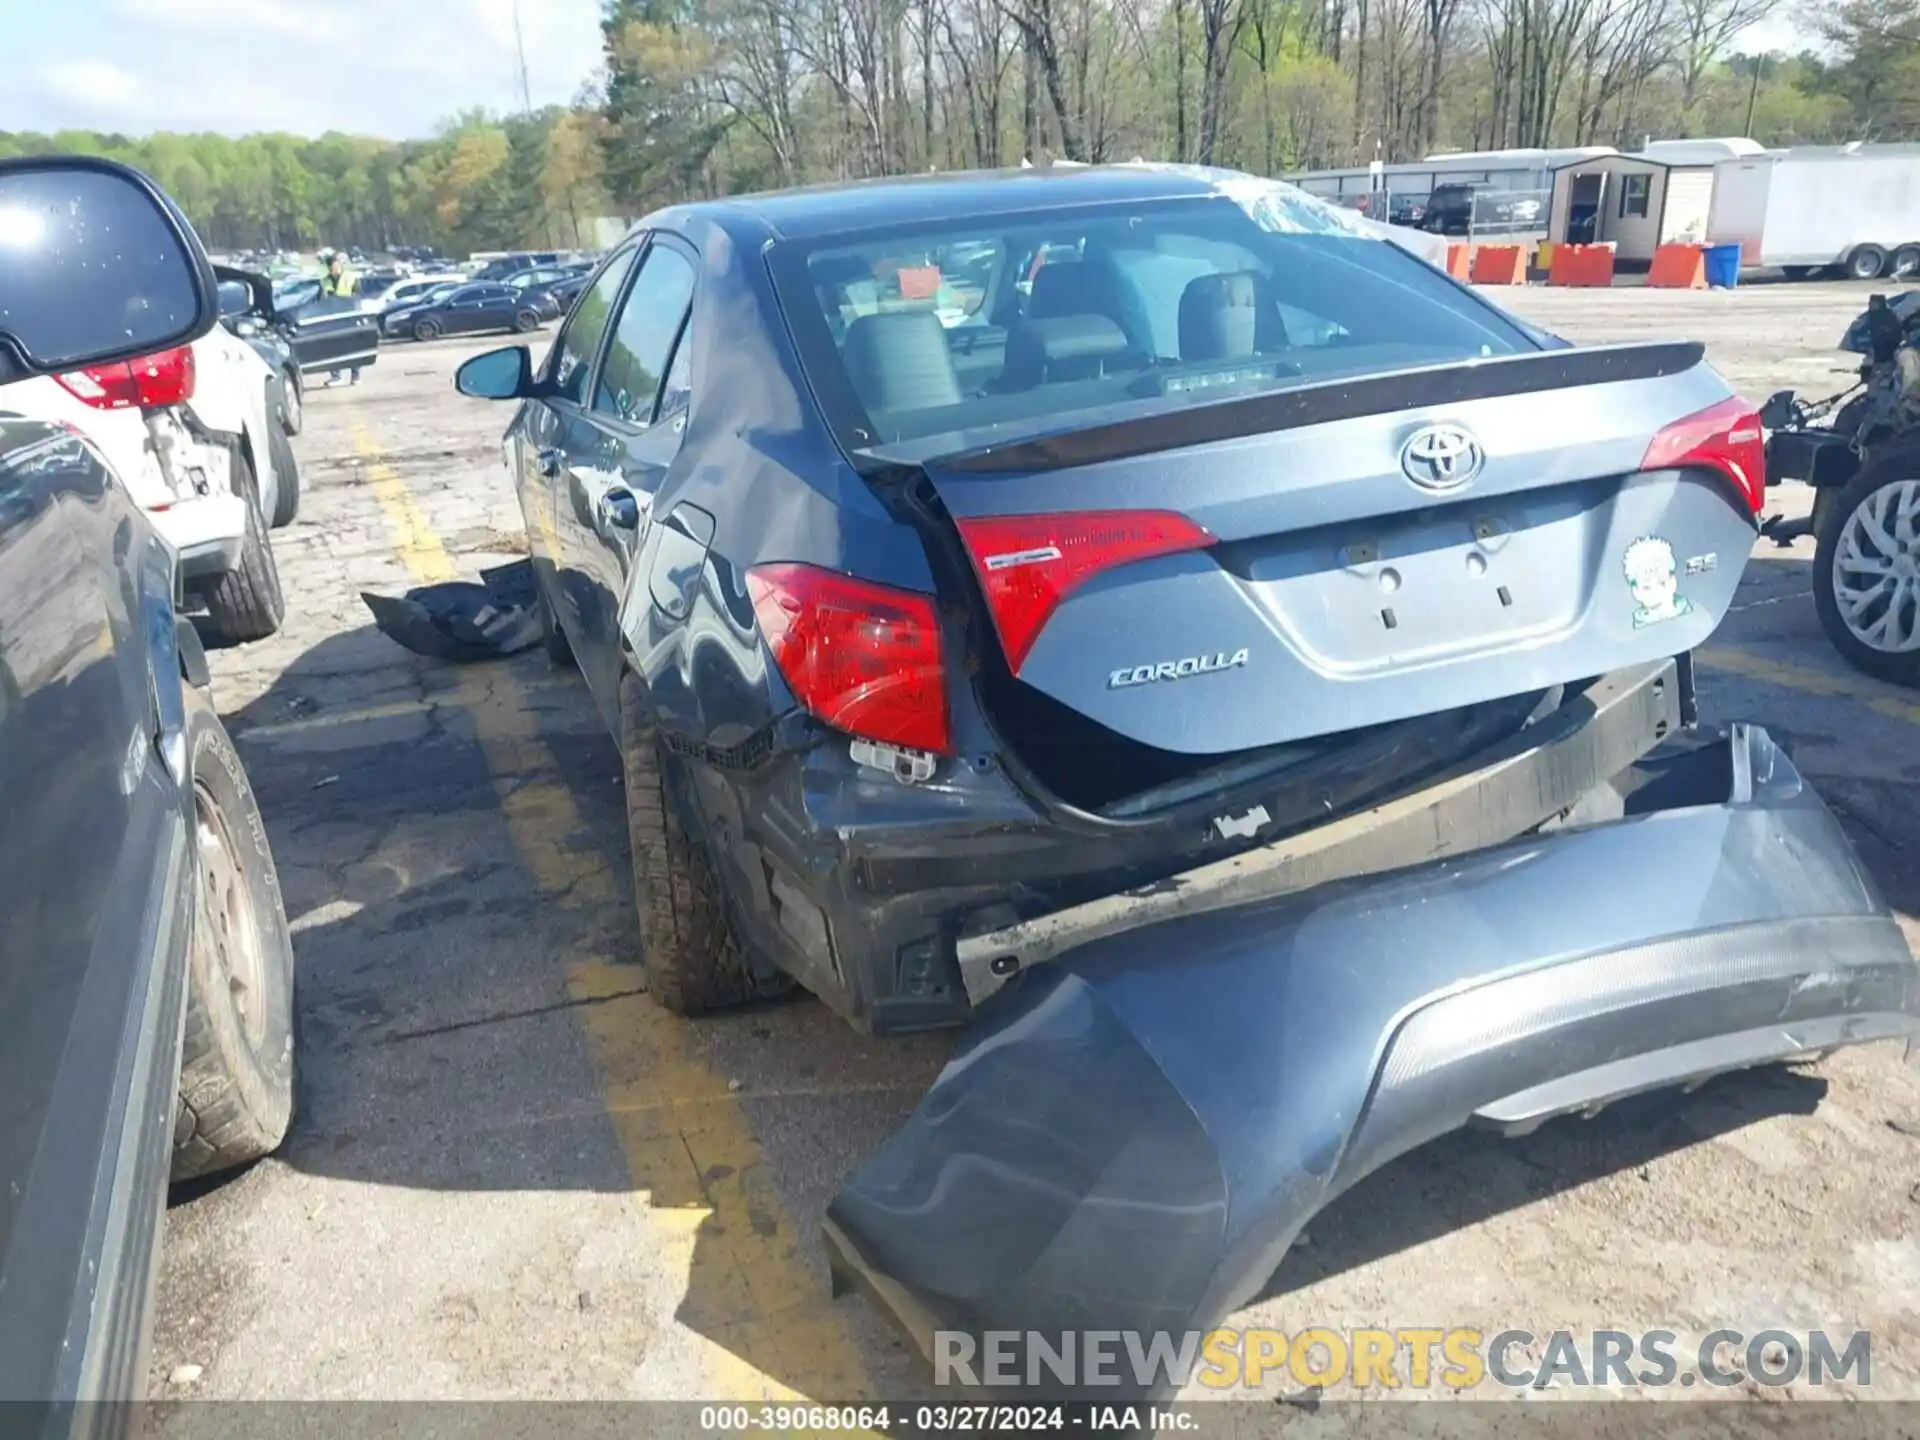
(580, 341)
(643, 337)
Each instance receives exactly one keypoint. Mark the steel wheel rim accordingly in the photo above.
(1876, 569)
(226, 921)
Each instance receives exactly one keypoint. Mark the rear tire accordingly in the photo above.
(1904, 264)
(245, 603)
(524, 321)
(1865, 262)
(692, 961)
(426, 328)
(235, 1097)
(1883, 645)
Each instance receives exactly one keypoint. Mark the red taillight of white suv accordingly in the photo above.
(163, 378)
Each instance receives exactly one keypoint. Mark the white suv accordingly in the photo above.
(188, 432)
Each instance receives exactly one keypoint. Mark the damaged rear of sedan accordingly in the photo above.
(1115, 568)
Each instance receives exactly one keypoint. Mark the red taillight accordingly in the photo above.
(1028, 564)
(1726, 437)
(165, 378)
(863, 657)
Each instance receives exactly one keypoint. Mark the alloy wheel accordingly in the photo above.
(1876, 569)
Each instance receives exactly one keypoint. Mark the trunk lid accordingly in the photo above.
(1230, 576)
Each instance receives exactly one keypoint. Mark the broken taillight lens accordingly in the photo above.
(863, 657)
(163, 378)
(1726, 437)
(1028, 564)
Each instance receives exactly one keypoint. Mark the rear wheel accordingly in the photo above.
(1865, 262)
(426, 328)
(1904, 263)
(526, 320)
(236, 1064)
(245, 603)
(1866, 569)
(692, 961)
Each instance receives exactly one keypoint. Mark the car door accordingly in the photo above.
(615, 459)
(94, 871)
(541, 434)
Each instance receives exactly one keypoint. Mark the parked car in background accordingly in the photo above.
(1407, 210)
(413, 290)
(148, 1032)
(552, 290)
(301, 333)
(464, 310)
(1458, 208)
(502, 266)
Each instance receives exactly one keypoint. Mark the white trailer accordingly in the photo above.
(1852, 208)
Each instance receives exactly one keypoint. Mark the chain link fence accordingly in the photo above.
(1460, 211)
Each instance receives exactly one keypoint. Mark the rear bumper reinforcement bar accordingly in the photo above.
(1536, 776)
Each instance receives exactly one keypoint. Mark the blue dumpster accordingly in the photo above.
(1723, 266)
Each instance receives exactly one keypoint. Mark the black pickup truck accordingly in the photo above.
(146, 974)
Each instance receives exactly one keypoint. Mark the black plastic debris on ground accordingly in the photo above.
(464, 620)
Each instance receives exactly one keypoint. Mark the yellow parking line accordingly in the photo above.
(686, 1140)
(1870, 693)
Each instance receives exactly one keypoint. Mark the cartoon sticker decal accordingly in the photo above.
(1653, 577)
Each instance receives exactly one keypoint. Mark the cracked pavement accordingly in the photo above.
(510, 1175)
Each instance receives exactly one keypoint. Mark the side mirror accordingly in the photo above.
(1779, 411)
(96, 265)
(505, 374)
(235, 299)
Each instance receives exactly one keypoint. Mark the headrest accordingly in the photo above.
(1070, 347)
(1219, 316)
(1074, 287)
(899, 360)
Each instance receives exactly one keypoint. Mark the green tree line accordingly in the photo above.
(482, 183)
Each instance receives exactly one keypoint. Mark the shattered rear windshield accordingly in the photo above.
(975, 331)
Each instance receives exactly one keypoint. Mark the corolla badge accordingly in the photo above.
(1182, 669)
(1441, 457)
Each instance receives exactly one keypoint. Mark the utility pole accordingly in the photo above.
(1753, 94)
(520, 52)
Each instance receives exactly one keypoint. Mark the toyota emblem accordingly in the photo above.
(1441, 458)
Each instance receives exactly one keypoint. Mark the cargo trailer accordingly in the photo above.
(1849, 210)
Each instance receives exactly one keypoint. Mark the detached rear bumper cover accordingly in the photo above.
(1133, 1136)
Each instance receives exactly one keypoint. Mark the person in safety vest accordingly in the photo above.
(340, 281)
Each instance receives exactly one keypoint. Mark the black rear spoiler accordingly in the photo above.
(1344, 398)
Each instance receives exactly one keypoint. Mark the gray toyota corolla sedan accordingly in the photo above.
(1157, 616)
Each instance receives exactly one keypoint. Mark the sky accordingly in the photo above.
(371, 67)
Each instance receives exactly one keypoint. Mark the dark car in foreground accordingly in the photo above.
(465, 310)
(147, 969)
(1067, 651)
